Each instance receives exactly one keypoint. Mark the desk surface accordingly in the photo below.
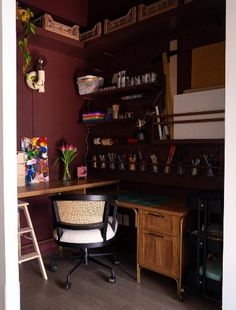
(169, 205)
(53, 187)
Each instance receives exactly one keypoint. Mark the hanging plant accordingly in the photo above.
(25, 16)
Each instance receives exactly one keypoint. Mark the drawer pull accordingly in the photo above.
(156, 214)
(155, 235)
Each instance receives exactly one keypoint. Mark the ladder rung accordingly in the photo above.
(27, 257)
(24, 230)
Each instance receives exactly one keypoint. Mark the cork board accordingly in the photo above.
(208, 66)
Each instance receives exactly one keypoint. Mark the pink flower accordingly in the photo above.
(75, 149)
(62, 148)
(70, 147)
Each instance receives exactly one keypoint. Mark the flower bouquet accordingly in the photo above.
(68, 153)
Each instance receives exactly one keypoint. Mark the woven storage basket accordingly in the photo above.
(122, 22)
(92, 34)
(47, 22)
(156, 8)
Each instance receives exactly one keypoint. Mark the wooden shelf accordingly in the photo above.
(124, 91)
(200, 182)
(110, 122)
(53, 41)
(168, 24)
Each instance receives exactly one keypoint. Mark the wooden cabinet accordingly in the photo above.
(160, 238)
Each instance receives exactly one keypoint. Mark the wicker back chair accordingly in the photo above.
(84, 222)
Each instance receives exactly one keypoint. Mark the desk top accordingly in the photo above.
(53, 187)
(169, 205)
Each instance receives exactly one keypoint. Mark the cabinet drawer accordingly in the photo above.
(159, 222)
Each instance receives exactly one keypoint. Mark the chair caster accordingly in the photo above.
(117, 262)
(53, 267)
(112, 279)
(182, 295)
(67, 286)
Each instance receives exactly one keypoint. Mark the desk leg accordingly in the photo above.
(138, 268)
(180, 289)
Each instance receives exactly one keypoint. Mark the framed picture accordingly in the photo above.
(36, 159)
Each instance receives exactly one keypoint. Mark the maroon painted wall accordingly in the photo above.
(55, 115)
(75, 11)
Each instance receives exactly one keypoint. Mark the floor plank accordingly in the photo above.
(91, 290)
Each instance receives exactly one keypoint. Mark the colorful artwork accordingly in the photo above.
(36, 159)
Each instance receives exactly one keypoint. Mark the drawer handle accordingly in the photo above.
(156, 214)
(155, 235)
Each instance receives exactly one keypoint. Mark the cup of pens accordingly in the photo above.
(112, 157)
(154, 161)
(103, 164)
(169, 159)
(142, 162)
(195, 166)
(121, 161)
(132, 162)
(210, 162)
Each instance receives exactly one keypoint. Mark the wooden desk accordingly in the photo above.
(160, 231)
(54, 187)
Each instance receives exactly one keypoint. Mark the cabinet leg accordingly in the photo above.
(138, 273)
(180, 290)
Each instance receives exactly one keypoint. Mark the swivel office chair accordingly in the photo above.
(84, 222)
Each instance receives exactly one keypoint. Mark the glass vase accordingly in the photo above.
(66, 174)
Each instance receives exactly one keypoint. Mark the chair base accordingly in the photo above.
(83, 258)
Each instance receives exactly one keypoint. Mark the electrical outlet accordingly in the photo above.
(125, 219)
(119, 219)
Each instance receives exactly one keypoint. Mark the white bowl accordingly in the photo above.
(89, 84)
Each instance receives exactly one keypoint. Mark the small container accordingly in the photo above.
(103, 165)
(112, 165)
(121, 165)
(155, 168)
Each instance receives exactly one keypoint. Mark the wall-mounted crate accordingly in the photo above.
(156, 8)
(122, 22)
(92, 34)
(46, 21)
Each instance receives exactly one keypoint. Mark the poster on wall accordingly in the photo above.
(36, 159)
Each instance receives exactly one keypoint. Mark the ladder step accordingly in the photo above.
(27, 257)
(24, 230)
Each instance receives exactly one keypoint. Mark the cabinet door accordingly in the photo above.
(159, 252)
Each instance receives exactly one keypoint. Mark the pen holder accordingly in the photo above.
(180, 169)
(167, 169)
(155, 168)
(194, 171)
(210, 172)
(103, 165)
(94, 164)
(112, 165)
(132, 166)
(143, 166)
(121, 165)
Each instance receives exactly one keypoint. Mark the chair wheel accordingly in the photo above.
(117, 262)
(53, 267)
(112, 279)
(67, 286)
(182, 295)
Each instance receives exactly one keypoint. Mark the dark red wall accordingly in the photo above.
(55, 115)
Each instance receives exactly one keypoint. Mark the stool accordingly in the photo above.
(22, 232)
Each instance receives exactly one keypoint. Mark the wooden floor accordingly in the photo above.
(91, 291)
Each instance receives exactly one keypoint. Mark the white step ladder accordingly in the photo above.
(29, 230)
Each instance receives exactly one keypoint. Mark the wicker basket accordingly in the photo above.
(156, 8)
(46, 21)
(121, 22)
(92, 34)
